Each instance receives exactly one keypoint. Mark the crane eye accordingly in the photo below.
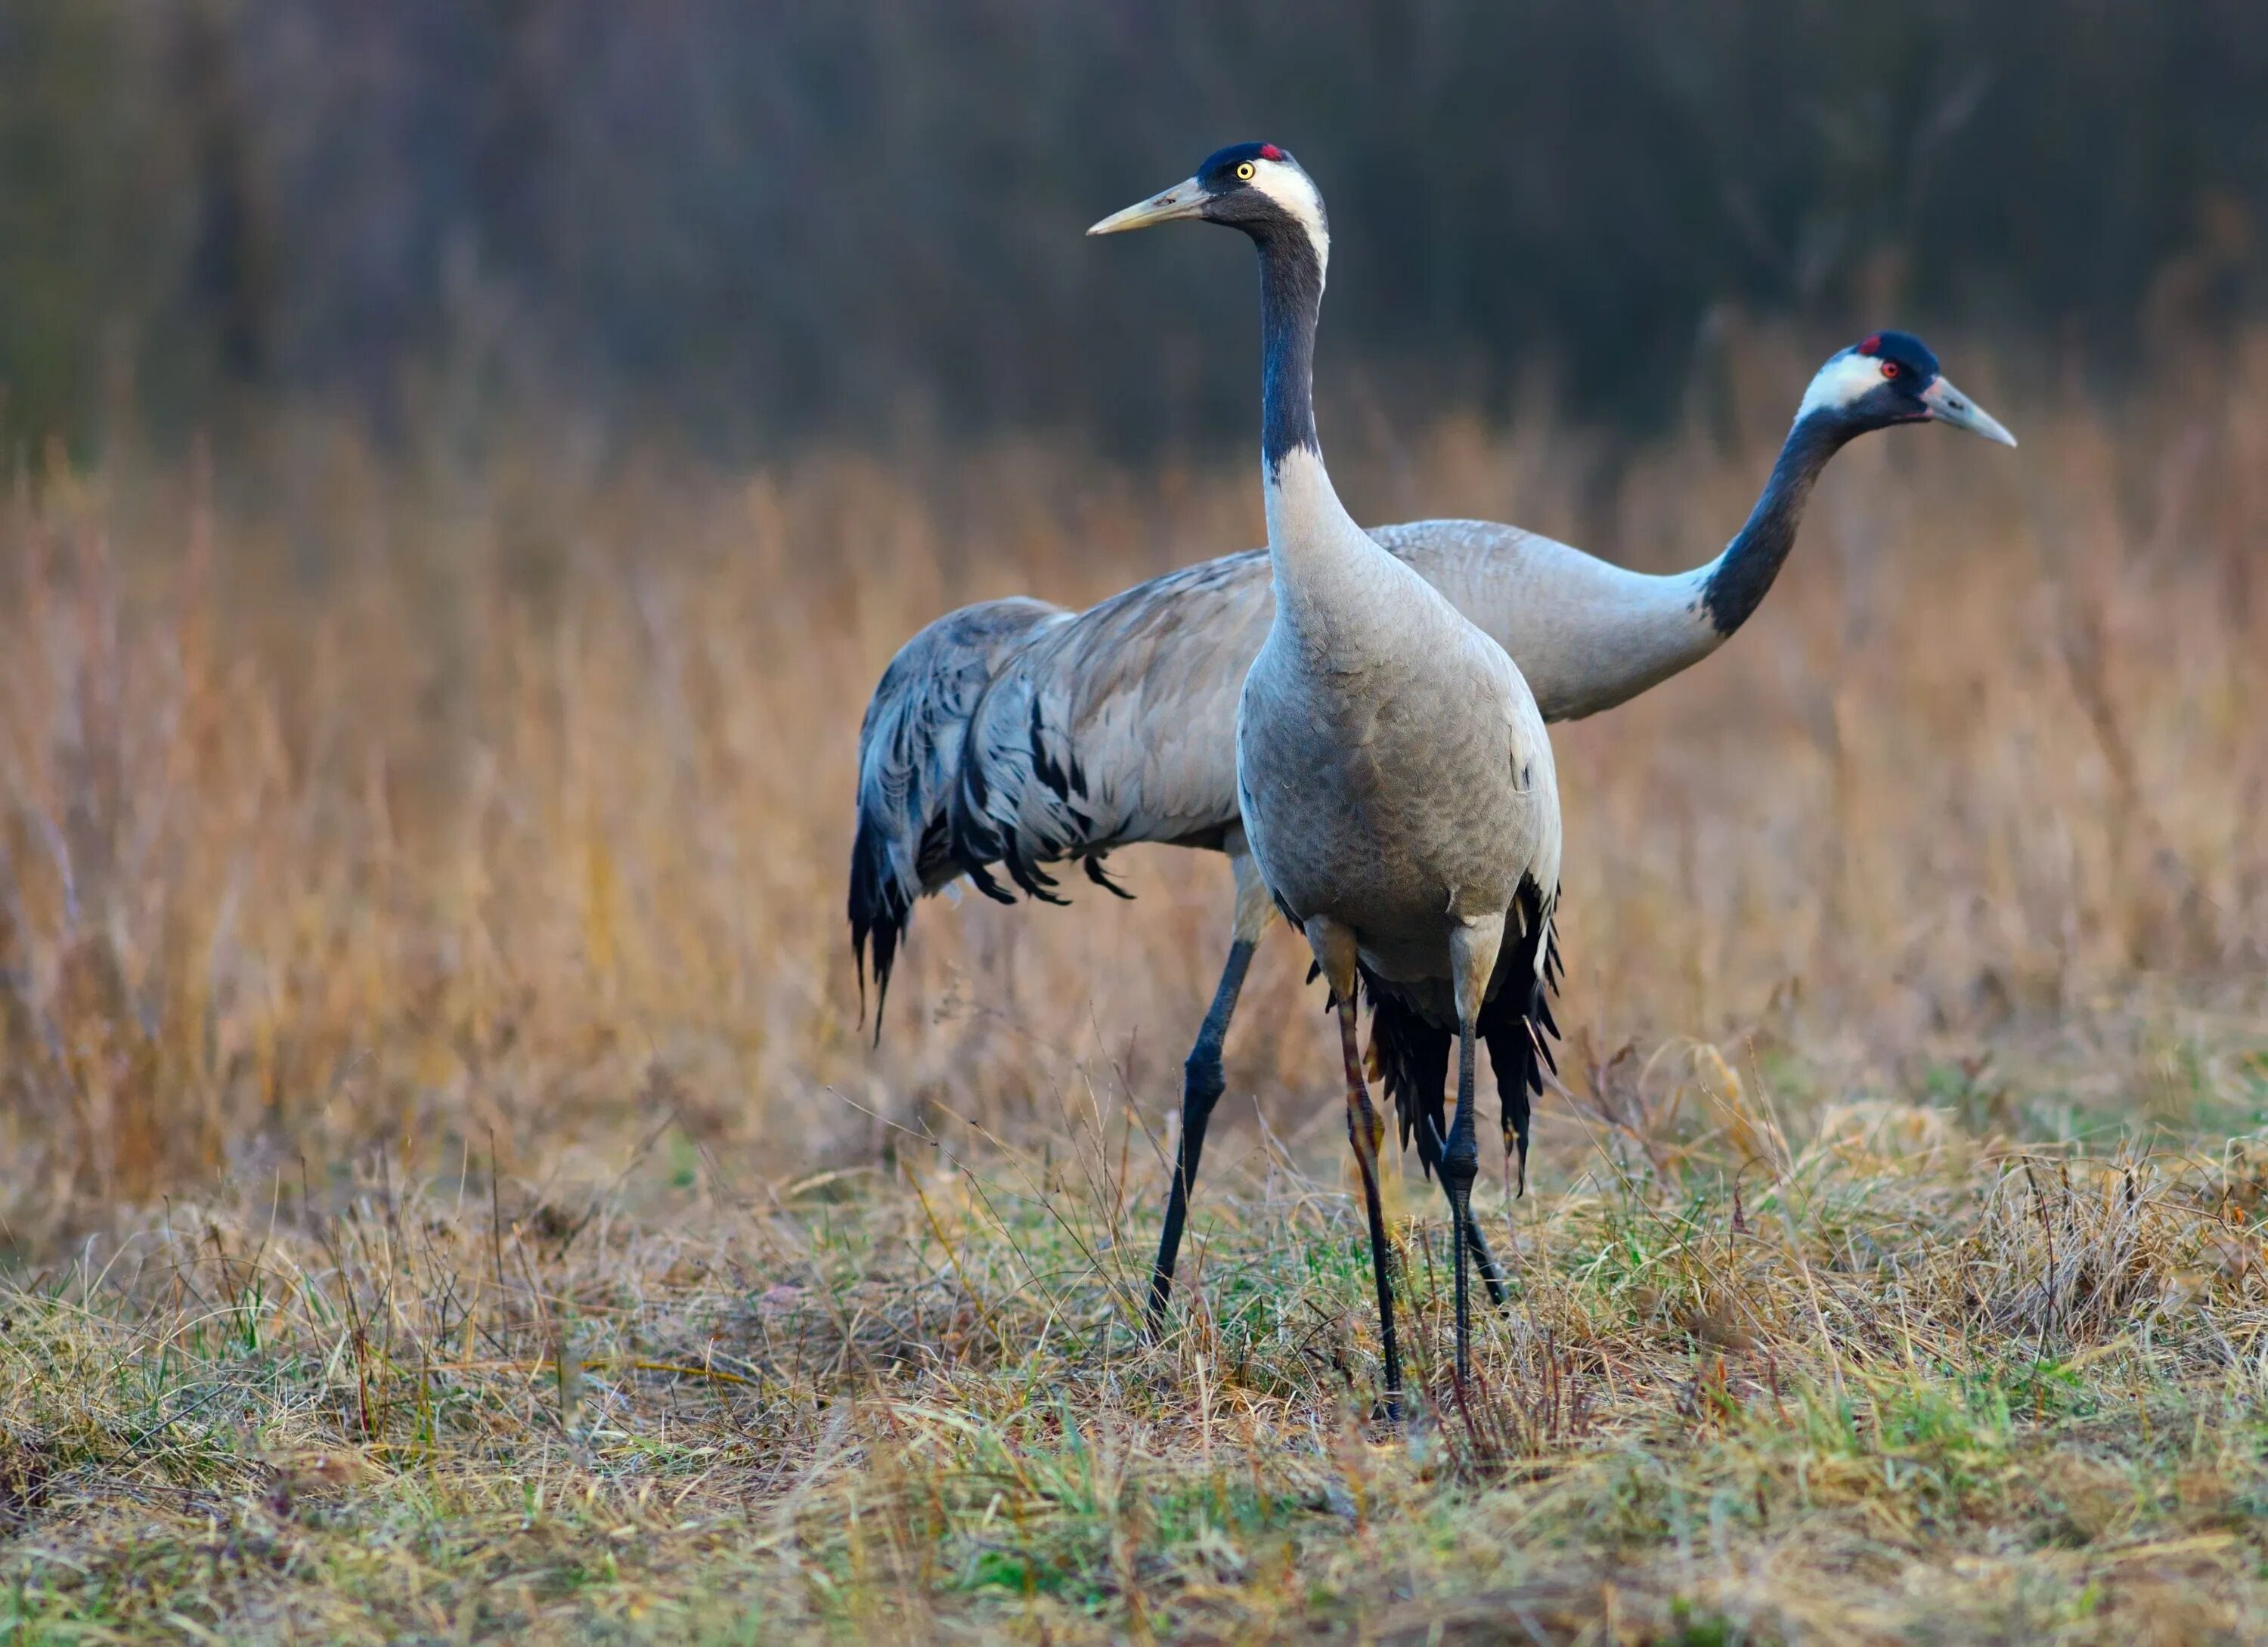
(1889, 368)
(1244, 171)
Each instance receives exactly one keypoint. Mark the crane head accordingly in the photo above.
(1254, 186)
(1891, 378)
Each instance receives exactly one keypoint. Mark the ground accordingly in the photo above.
(450, 1188)
(1898, 1382)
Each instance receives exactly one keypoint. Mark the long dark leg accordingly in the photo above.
(1201, 1089)
(1365, 1133)
(1429, 1152)
(1473, 946)
(1460, 1166)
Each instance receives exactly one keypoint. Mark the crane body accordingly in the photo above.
(1018, 735)
(1395, 782)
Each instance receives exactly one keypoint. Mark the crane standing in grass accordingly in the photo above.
(1015, 733)
(1393, 778)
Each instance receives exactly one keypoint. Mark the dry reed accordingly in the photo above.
(452, 1195)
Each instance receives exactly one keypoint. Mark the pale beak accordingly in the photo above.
(1947, 405)
(1183, 199)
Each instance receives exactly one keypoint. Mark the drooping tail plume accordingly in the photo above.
(909, 751)
(1412, 1047)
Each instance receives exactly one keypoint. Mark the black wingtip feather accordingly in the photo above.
(1413, 1053)
(879, 910)
(882, 929)
(1413, 1063)
(1093, 864)
(981, 880)
(1519, 1026)
(1036, 882)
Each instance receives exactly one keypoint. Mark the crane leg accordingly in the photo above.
(1365, 1132)
(1429, 1152)
(1473, 946)
(1201, 1076)
(1335, 951)
(1201, 1089)
(1460, 1166)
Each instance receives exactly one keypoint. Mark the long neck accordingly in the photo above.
(1291, 304)
(1738, 580)
(1317, 552)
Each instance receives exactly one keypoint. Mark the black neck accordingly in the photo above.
(1291, 301)
(1744, 573)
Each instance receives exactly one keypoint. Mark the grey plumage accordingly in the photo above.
(1394, 781)
(1014, 734)
(1392, 765)
(1109, 729)
(1096, 729)
(909, 749)
(1115, 725)
(1398, 794)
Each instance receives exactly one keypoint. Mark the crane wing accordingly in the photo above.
(1117, 726)
(909, 748)
(1017, 734)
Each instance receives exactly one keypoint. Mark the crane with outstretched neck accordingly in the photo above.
(1013, 734)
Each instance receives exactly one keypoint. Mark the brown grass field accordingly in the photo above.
(448, 1195)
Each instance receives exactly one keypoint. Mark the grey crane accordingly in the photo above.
(1018, 734)
(1394, 777)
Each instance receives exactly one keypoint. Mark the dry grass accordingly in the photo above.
(450, 1196)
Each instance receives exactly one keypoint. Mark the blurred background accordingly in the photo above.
(747, 226)
(470, 459)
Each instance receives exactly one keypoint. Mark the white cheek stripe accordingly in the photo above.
(1840, 381)
(1289, 188)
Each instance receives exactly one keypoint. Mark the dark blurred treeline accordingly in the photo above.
(751, 220)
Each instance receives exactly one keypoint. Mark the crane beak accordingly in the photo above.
(1184, 200)
(1947, 405)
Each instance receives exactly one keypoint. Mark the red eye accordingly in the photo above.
(1889, 368)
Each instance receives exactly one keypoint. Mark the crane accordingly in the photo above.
(1018, 734)
(1394, 777)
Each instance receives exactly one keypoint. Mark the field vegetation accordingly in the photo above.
(450, 1194)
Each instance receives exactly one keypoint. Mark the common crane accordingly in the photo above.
(1393, 775)
(1018, 734)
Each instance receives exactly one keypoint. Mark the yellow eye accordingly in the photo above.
(1244, 171)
